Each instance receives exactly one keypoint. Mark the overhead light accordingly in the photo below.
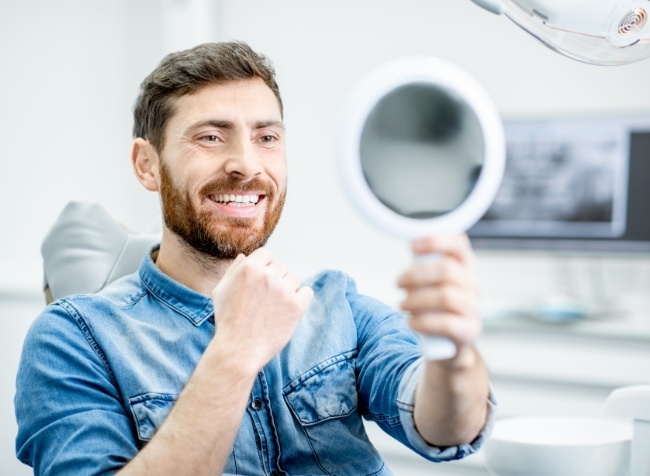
(601, 32)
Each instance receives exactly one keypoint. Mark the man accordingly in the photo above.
(213, 357)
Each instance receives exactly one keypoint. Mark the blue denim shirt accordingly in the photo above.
(100, 373)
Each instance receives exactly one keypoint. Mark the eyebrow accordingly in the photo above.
(265, 124)
(225, 124)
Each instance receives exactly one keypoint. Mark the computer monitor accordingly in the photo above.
(572, 184)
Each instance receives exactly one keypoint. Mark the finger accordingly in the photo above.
(449, 299)
(231, 271)
(261, 256)
(304, 295)
(292, 282)
(260, 262)
(458, 329)
(237, 261)
(456, 245)
(278, 269)
(445, 271)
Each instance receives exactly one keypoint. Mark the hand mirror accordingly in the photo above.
(422, 152)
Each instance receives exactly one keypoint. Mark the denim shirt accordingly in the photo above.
(100, 373)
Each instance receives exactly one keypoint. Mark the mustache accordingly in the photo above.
(232, 184)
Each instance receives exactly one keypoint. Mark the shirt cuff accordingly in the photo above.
(405, 404)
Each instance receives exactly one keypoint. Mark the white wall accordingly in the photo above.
(70, 74)
(16, 314)
(321, 49)
(71, 71)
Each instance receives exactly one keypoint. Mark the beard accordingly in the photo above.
(224, 237)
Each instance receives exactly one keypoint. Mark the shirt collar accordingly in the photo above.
(187, 302)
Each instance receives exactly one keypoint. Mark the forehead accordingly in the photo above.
(242, 99)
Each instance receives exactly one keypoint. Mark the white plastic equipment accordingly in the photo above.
(422, 152)
(615, 444)
(602, 32)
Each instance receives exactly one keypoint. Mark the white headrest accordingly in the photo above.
(86, 249)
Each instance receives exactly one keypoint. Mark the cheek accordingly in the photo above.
(189, 180)
(175, 186)
(282, 182)
(278, 173)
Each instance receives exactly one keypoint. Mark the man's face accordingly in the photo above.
(223, 168)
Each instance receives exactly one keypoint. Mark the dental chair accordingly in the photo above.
(86, 249)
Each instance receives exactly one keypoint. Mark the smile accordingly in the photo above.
(236, 200)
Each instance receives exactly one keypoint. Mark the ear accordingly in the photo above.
(145, 161)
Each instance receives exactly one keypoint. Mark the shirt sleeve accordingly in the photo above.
(70, 415)
(405, 403)
(389, 367)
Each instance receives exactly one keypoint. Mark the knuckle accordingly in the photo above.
(447, 269)
(447, 297)
(247, 269)
(446, 325)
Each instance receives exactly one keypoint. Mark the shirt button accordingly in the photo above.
(256, 404)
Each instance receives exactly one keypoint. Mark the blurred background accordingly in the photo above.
(71, 70)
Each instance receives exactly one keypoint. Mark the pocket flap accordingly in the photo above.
(325, 392)
(150, 411)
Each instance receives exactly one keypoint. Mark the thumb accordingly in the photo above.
(304, 295)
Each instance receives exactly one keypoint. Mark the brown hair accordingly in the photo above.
(185, 72)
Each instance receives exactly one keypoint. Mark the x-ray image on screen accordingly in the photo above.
(563, 179)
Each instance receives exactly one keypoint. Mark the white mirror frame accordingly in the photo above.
(444, 76)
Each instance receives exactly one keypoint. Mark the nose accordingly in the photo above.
(243, 160)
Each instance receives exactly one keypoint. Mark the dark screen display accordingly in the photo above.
(565, 201)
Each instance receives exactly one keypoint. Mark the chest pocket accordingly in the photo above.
(329, 390)
(150, 411)
(324, 401)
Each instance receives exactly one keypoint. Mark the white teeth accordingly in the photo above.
(237, 200)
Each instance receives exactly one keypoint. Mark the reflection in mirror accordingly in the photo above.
(422, 153)
(421, 150)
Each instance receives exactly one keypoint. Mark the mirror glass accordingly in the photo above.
(421, 150)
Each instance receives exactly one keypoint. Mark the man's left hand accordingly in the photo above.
(442, 295)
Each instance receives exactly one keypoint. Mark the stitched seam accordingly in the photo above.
(169, 305)
(318, 368)
(379, 470)
(74, 313)
(392, 421)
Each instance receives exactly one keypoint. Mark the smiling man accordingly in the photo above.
(221, 175)
(213, 358)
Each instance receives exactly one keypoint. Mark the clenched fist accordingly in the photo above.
(257, 306)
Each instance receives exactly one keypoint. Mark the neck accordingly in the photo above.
(188, 266)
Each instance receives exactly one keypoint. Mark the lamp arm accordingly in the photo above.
(494, 6)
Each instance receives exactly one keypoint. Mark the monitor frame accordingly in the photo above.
(634, 238)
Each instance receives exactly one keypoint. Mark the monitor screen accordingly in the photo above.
(575, 184)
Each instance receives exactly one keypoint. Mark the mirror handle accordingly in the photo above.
(435, 347)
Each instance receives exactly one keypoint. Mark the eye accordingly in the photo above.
(267, 139)
(210, 138)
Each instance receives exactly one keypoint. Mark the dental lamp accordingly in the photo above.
(600, 32)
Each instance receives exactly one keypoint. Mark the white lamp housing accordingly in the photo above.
(600, 32)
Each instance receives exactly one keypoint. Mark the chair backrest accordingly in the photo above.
(86, 249)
